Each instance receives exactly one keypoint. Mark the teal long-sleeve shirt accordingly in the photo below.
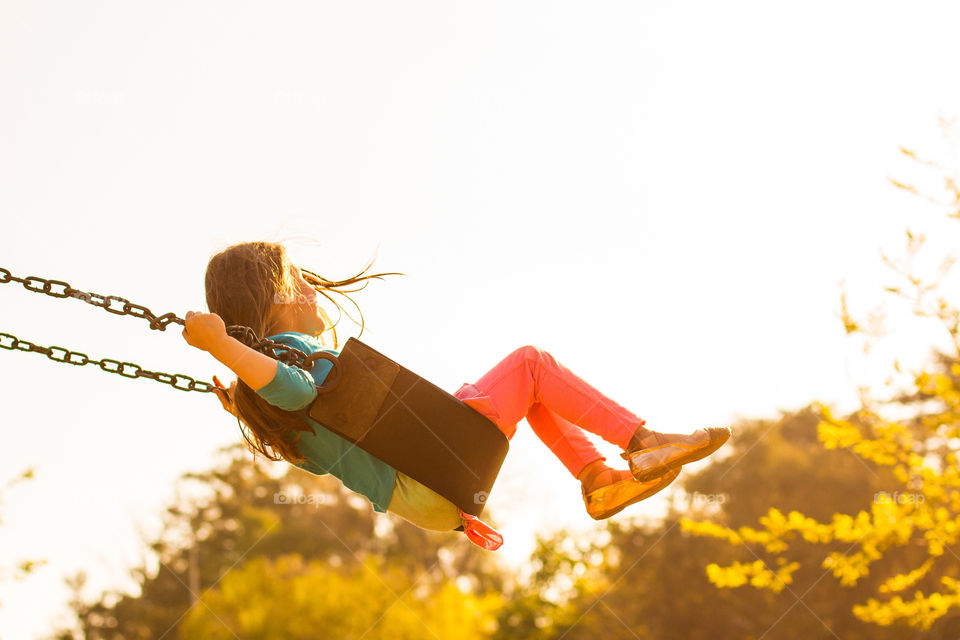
(292, 389)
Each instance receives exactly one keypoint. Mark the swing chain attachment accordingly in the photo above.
(289, 355)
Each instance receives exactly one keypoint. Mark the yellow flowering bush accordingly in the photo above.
(922, 513)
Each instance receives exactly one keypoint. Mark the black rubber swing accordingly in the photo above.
(410, 424)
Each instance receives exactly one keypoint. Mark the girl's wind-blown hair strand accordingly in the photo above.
(322, 285)
(245, 284)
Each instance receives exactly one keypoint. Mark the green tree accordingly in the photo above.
(647, 579)
(238, 513)
(286, 598)
(903, 541)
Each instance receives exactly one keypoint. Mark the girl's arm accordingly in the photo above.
(207, 331)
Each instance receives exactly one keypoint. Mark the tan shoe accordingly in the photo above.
(673, 450)
(606, 501)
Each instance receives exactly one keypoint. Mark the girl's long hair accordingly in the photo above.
(245, 284)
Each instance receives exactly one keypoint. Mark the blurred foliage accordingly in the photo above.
(648, 580)
(23, 568)
(288, 598)
(901, 542)
(241, 520)
(324, 570)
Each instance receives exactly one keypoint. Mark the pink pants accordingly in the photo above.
(529, 383)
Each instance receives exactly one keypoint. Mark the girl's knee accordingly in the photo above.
(533, 356)
(528, 352)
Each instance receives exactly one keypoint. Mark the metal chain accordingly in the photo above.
(125, 369)
(289, 355)
(40, 285)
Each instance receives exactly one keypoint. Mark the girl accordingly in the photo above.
(254, 284)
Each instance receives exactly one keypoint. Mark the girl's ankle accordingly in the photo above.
(641, 439)
(597, 474)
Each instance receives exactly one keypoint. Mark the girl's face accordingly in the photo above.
(307, 294)
(301, 312)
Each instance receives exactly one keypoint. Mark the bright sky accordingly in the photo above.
(662, 195)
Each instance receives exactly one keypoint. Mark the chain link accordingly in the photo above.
(288, 355)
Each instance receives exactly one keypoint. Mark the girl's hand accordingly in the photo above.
(204, 330)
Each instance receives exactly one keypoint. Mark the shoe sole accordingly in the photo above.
(718, 436)
(667, 478)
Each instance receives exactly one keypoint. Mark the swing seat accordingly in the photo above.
(410, 424)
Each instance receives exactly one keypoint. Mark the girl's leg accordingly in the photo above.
(566, 440)
(530, 376)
